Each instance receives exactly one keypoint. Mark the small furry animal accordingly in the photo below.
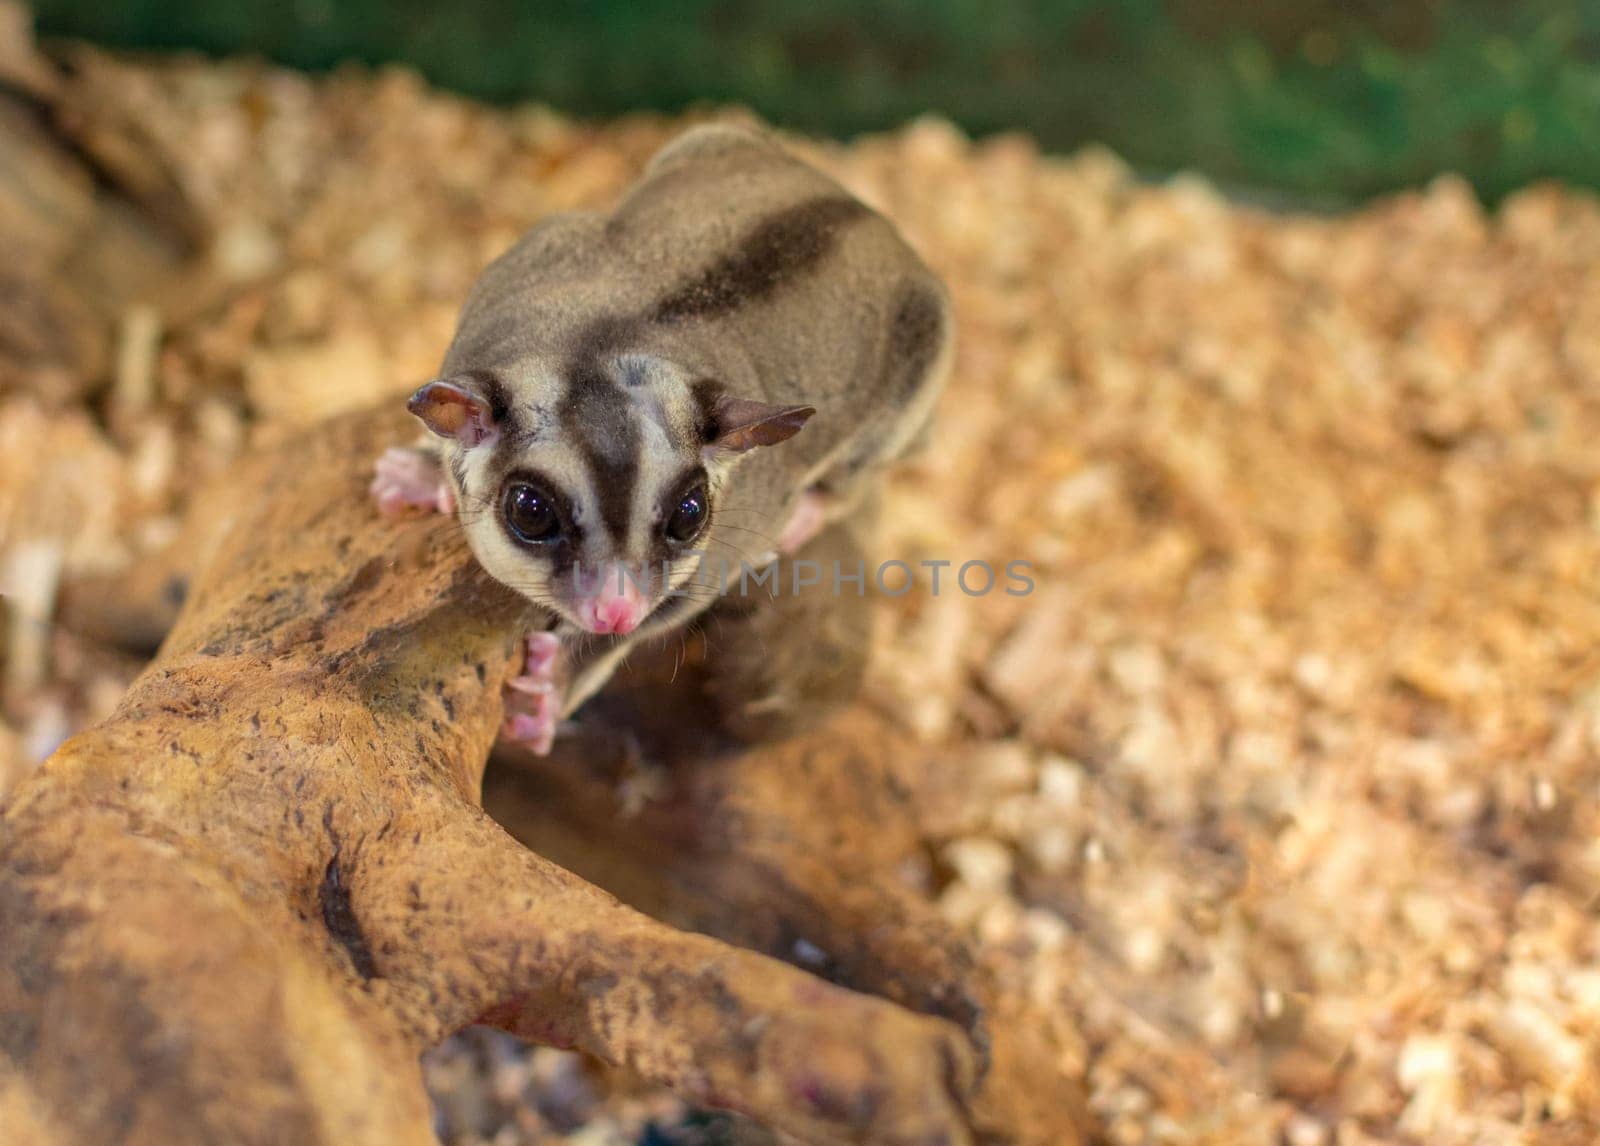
(615, 412)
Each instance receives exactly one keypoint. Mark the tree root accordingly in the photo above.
(241, 907)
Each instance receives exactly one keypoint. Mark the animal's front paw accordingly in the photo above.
(405, 477)
(533, 699)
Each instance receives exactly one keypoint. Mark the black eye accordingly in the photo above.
(688, 516)
(531, 513)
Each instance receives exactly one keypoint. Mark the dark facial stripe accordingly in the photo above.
(598, 417)
(599, 339)
(785, 245)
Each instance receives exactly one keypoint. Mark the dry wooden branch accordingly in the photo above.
(241, 907)
(797, 848)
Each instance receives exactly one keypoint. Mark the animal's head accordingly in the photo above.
(595, 500)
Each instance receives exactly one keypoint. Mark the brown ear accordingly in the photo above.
(738, 424)
(456, 408)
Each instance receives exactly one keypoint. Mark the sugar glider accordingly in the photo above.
(623, 403)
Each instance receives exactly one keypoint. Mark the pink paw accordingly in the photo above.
(804, 523)
(405, 477)
(533, 705)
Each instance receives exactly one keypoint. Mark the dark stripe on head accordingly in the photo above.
(600, 419)
(786, 244)
(601, 338)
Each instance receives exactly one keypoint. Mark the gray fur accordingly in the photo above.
(731, 263)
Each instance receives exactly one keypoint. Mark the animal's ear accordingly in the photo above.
(462, 408)
(734, 425)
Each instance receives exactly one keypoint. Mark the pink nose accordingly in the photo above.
(617, 605)
(617, 615)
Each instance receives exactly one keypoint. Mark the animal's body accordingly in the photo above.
(614, 415)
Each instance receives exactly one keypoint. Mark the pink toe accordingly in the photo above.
(522, 727)
(542, 649)
(530, 685)
(534, 733)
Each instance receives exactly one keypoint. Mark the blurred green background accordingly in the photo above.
(1324, 101)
